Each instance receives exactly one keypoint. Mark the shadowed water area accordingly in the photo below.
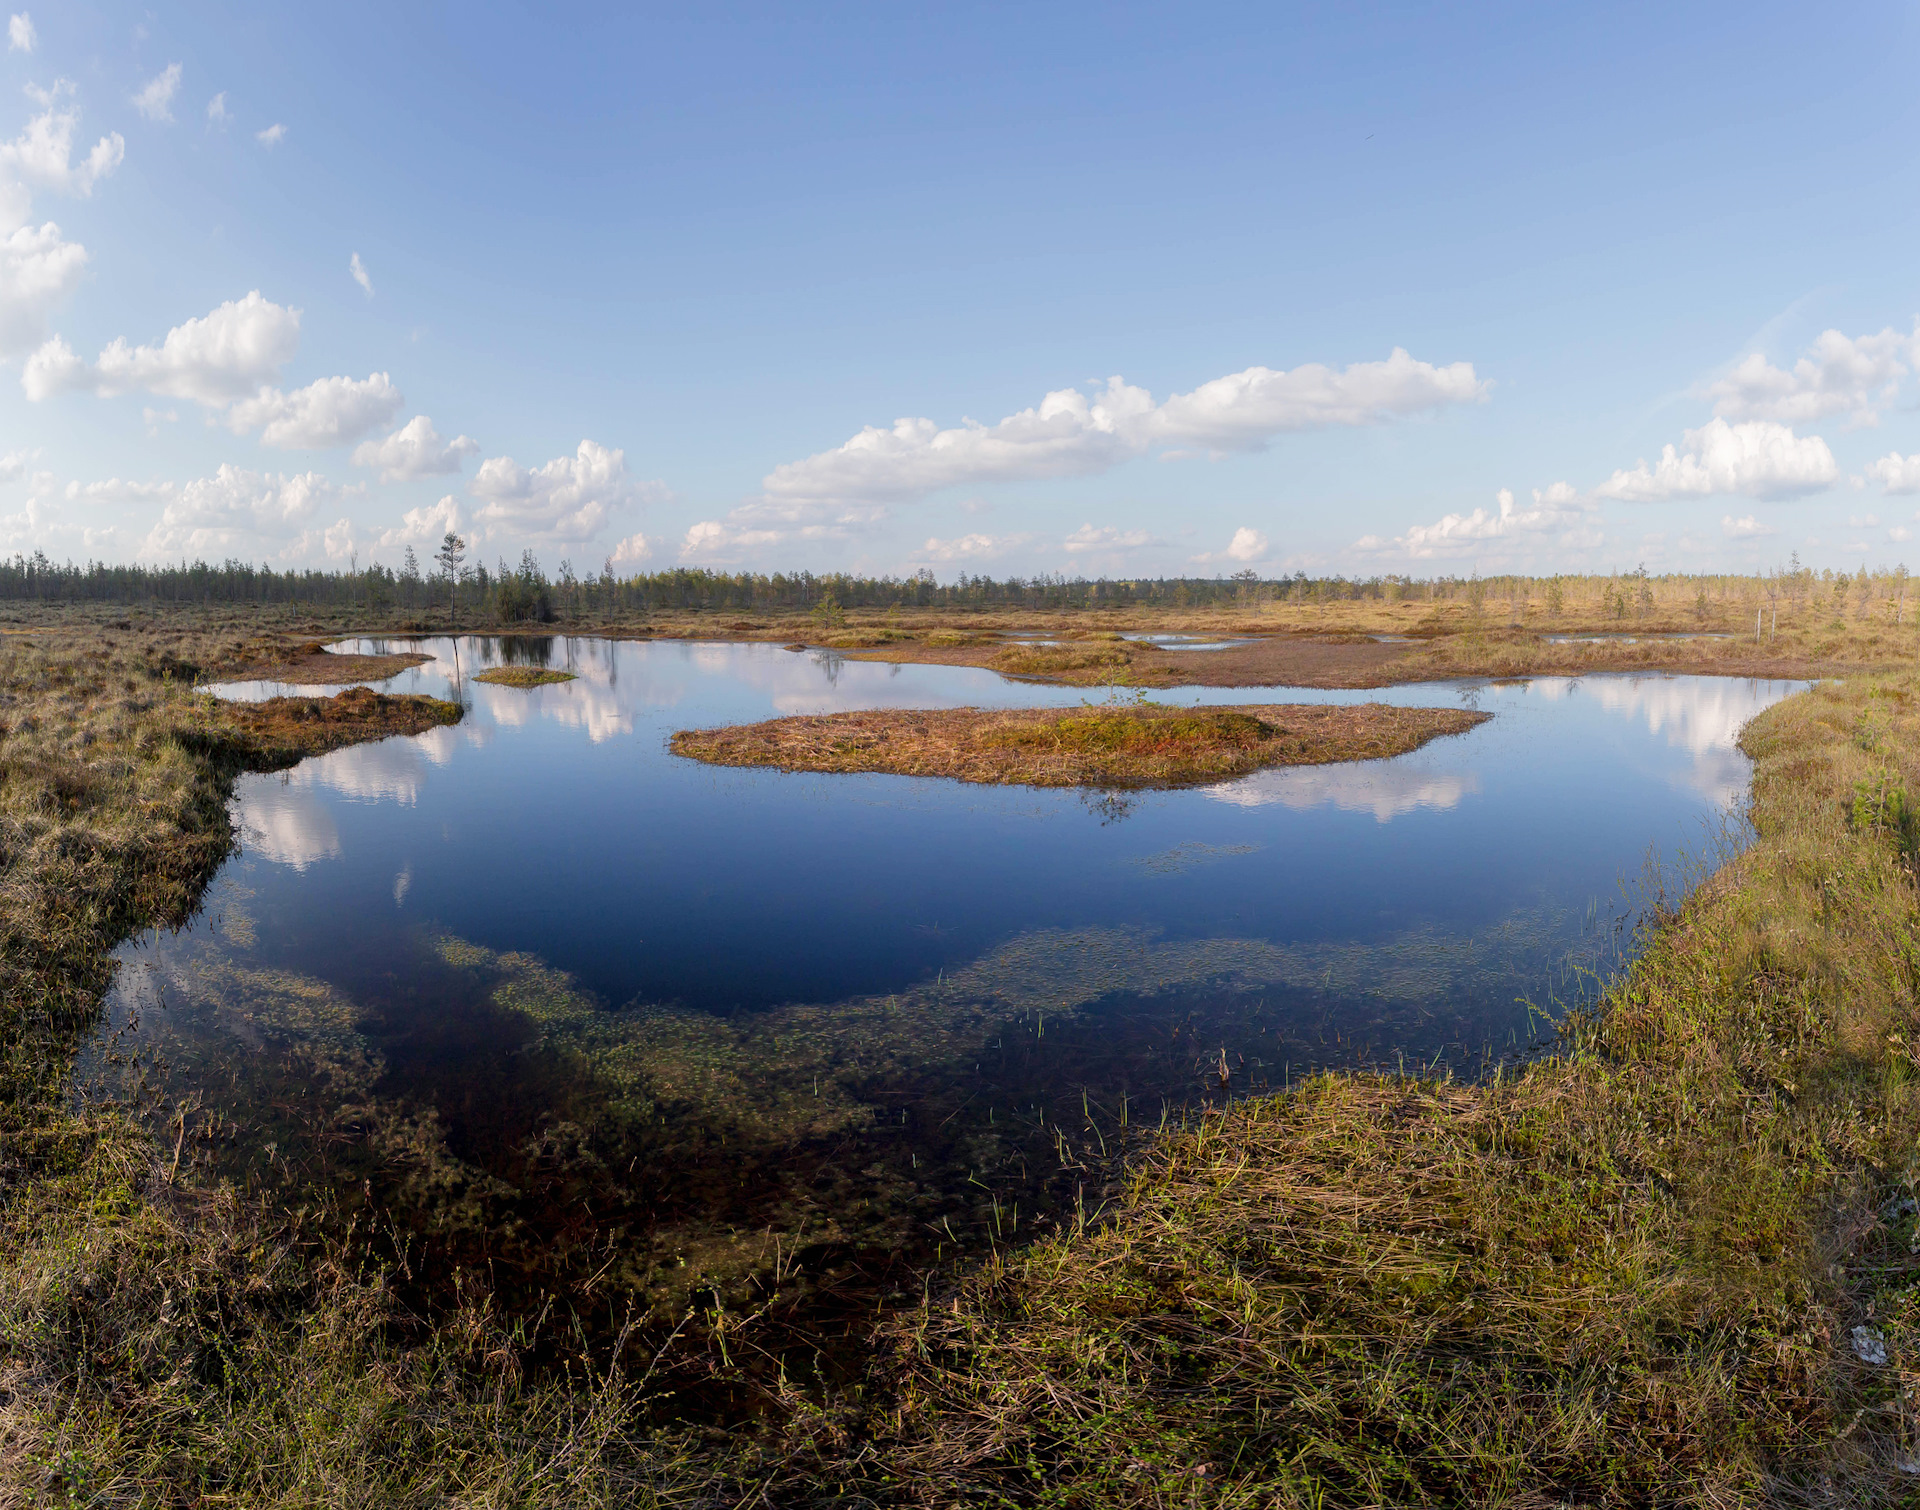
(532, 998)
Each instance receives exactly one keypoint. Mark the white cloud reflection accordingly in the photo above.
(1701, 715)
(1384, 788)
(287, 823)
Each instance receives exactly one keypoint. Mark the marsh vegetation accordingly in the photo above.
(1672, 1260)
(1138, 744)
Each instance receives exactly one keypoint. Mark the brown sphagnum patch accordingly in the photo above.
(1141, 745)
(523, 676)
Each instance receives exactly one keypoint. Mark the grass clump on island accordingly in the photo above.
(522, 676)
(1115, 745)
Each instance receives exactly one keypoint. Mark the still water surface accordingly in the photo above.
(555, 995)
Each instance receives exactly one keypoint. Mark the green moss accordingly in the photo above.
(523, 676)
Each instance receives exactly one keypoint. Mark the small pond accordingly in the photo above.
(534, 994)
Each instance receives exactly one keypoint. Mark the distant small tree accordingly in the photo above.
(452, 552)
(1556, 598)
(1643, 592)
(828, 613)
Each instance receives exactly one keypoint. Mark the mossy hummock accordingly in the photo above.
(524, 677)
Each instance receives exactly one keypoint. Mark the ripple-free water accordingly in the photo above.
(548, 996)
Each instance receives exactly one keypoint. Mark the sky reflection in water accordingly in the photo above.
(553, 821)
(531, 993)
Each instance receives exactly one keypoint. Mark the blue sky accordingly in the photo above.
(1105, 290)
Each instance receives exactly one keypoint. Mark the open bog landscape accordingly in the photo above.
(452, 1084)
(799, 1031)
(948, 758)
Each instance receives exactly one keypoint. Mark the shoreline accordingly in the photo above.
(1337, 653)
(1677, 1226)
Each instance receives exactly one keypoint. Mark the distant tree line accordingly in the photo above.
(449, 583)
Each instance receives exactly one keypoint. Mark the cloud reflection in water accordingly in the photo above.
(1382, 788)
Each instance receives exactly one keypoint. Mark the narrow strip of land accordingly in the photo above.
(282, 730)
(523, 676)
(312, 664)
(1146, 745)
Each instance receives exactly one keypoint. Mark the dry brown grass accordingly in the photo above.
(311, 664)
(280, 730)
(1145, 745)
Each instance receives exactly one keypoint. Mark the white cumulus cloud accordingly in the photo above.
(415, 450)
(20, 33)
(1106, 538)
(334, 411)
(1247, 544)
(1558, 510)
(1894, 472)
(1744, 528)
(337, 542)
(570, 498)
(155, 100)
(710, 540)
(631, 551)
(42, 155)
(973, 547)
(120, 490)
(272, 136)
(424, 526)
(217, 112)
(1070, 433)
(218, 359)
(1756, 459)
(1839, 374)
(360, 274)
(38, 268)
(210, 515)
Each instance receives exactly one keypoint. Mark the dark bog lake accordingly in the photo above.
(530, 993)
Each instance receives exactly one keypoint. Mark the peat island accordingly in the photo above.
(1142, 745)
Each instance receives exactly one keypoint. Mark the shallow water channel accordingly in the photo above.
(533, 995)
